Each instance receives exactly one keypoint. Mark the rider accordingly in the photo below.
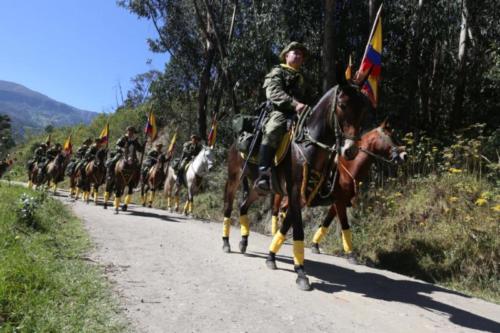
(92, 150)
(53, 151)
(290, 94)
(39, 155)
(189, 151)
(151, 159)
(128, 139)
(79, 161)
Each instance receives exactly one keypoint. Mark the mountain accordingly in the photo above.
(31, 111)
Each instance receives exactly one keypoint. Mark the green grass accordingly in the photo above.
(45, 283)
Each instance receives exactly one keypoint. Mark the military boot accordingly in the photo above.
(266, 155)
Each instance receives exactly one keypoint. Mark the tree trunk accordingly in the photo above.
(203, 93)
(413, 70)
(456, 113)
(329, 79)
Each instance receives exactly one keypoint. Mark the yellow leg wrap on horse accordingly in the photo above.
(30, 184)
(85, 195)
(72, 191)
(128, 199)
(190, 207)
(95, 196)
(152, 197)
(117, 203)
(186, 207)
(244, 225)
(226, 227)
(347, 240)
(274, 224)
(278, 240)
(177, 201)
(320, 233)
(106, 196)
(168, 201)
(143, 199)
(77, 193)
(298, 253)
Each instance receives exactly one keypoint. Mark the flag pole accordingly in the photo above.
(373, 30)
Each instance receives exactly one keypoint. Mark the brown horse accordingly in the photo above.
(332, 127)
(55, 170)
(154, 180)
(95, 174)
(127, 174)
(376, 144)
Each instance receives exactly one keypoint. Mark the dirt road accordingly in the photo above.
(172, 276)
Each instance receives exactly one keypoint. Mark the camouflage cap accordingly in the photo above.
(293, 46)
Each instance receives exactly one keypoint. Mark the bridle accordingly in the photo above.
(394, 150)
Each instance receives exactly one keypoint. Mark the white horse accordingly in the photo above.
(193, 175)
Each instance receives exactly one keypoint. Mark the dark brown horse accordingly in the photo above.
(55, 170)
(332, 127)
(95, 174)
(127, 174)
(154, 181)
(376, 144)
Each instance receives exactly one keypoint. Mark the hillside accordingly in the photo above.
(31, 111)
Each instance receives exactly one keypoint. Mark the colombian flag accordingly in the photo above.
(371, 64)
(151, 130)
(172, 144)
(68, 146)
(104, 136)
(212, 134)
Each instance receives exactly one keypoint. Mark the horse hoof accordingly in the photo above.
(243, 247)
(116, 211)
(226, 248)
(124, 208)
(150, 206)
(143, 205)
(315, 248)
(105, 207)
(271, 264)
(303, 283)
(351, 258)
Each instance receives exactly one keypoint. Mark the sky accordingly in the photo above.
(75, 51)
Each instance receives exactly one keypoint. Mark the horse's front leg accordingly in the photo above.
(230, 189)
(275, 202)
(144, 192)
(244, 220)
(323, 229)
(152, 197)
(95, 189)
(346, 231)
(128, 197)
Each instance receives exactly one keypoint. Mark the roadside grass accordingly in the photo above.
(45, 283)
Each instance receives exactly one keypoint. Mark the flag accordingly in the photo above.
(150, 129)
(371, 65)
(348, 71)
(104, 136)
(172, 144)
(68, 146)
(212, 134)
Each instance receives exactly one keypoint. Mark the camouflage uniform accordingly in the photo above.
(285, 87)
(122, 142)
(189, 151)
(77, 160)
(151, 159)
(39, 156)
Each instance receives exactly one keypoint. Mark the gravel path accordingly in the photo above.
(172, 276)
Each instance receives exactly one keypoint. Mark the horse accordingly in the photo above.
(95, 173)
(193, 175)
(56, 168)
(127, 174)
(332, 128)
(37, 175)
(154, 179)
(378, 144)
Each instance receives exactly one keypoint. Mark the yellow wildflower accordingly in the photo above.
(455, 170)
(481, 202)
(453, 199)
(496, 208)
(434, 149)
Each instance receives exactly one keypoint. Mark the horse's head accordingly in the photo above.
(209, 156)
(100, 156)
(352, 105)
(380, 141)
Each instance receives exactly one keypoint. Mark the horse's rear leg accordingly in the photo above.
(95, 189)
(152, 197)
(144, 193)
(323, 229)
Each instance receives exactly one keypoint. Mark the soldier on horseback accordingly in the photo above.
(189, 151)
(127, 140)
(151, 160)
(92, 150)
(290, 94)
(39, 156)
(79, 154)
